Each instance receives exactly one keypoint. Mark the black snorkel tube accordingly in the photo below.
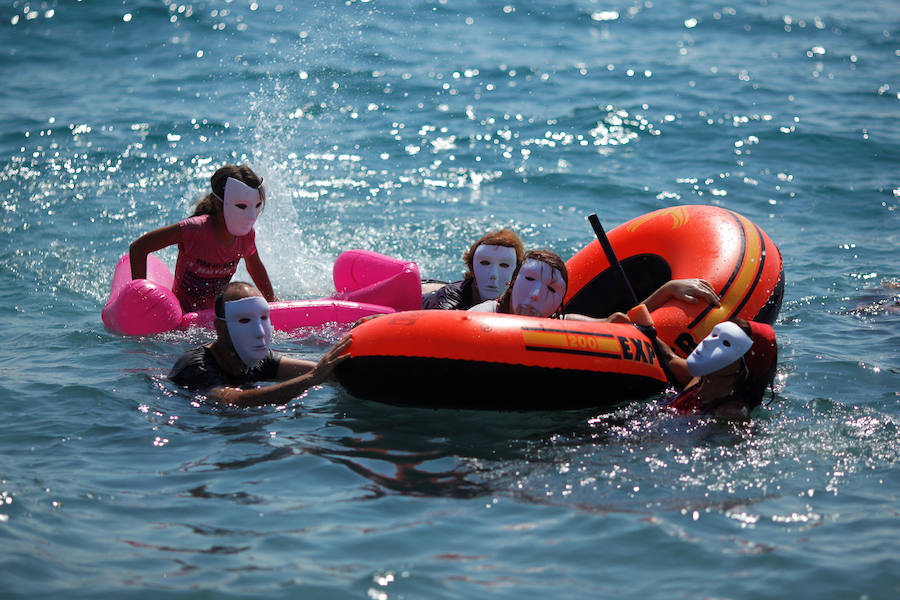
(648, 330)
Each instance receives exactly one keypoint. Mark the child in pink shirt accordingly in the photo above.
(212, 241)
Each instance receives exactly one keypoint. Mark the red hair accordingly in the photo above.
(502, 237)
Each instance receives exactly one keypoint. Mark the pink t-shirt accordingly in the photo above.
(204, 265)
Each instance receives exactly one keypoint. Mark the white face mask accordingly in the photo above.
(242, 206)
(538, 289)
(725, 344)
(493, 267)
(249, 328)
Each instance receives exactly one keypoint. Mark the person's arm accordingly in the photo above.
(285, 391)
(488, 306)
(260, 276)
(151, 242)
(362, 320)
(288, 368)
(448, 297)
(677, 365)
(686, 290)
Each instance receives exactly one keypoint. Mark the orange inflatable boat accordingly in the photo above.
(459, 359)
(721, 246)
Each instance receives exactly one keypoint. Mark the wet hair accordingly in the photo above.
(207, 205)
(502, 237)
(544, 256)
(753, 385)
(231, 287)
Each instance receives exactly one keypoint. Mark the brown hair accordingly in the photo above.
(753, 385)
(206, 205)
(241, 289)
(502, 237)
(544, 256)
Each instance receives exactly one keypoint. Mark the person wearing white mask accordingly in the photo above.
(539, 287)
(537, 290)
(227, 369)
(212, 242)
(490, 263)
(727, 373)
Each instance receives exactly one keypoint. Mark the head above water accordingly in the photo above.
(538, 285)
(234, 290)
(725, 344)
(753, 368)
(212, 202)
(502, 237)
(242, 321)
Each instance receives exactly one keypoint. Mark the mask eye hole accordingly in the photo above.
(726, 343)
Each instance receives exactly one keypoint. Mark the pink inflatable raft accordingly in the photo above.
(367, 283)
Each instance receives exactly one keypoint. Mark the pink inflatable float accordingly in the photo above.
(369, 277)
(367, 283)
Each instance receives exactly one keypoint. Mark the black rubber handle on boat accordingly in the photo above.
(611, 255)
(614, 262)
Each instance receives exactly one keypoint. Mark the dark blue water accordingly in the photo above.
(410, 129)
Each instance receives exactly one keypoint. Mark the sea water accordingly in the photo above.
(410, 128)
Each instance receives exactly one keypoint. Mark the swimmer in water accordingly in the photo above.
(728, 372)
(227, 369)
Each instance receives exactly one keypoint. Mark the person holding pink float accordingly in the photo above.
(212, 241)
(490, 263)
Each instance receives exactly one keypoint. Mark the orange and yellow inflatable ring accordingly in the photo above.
(734, 254)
